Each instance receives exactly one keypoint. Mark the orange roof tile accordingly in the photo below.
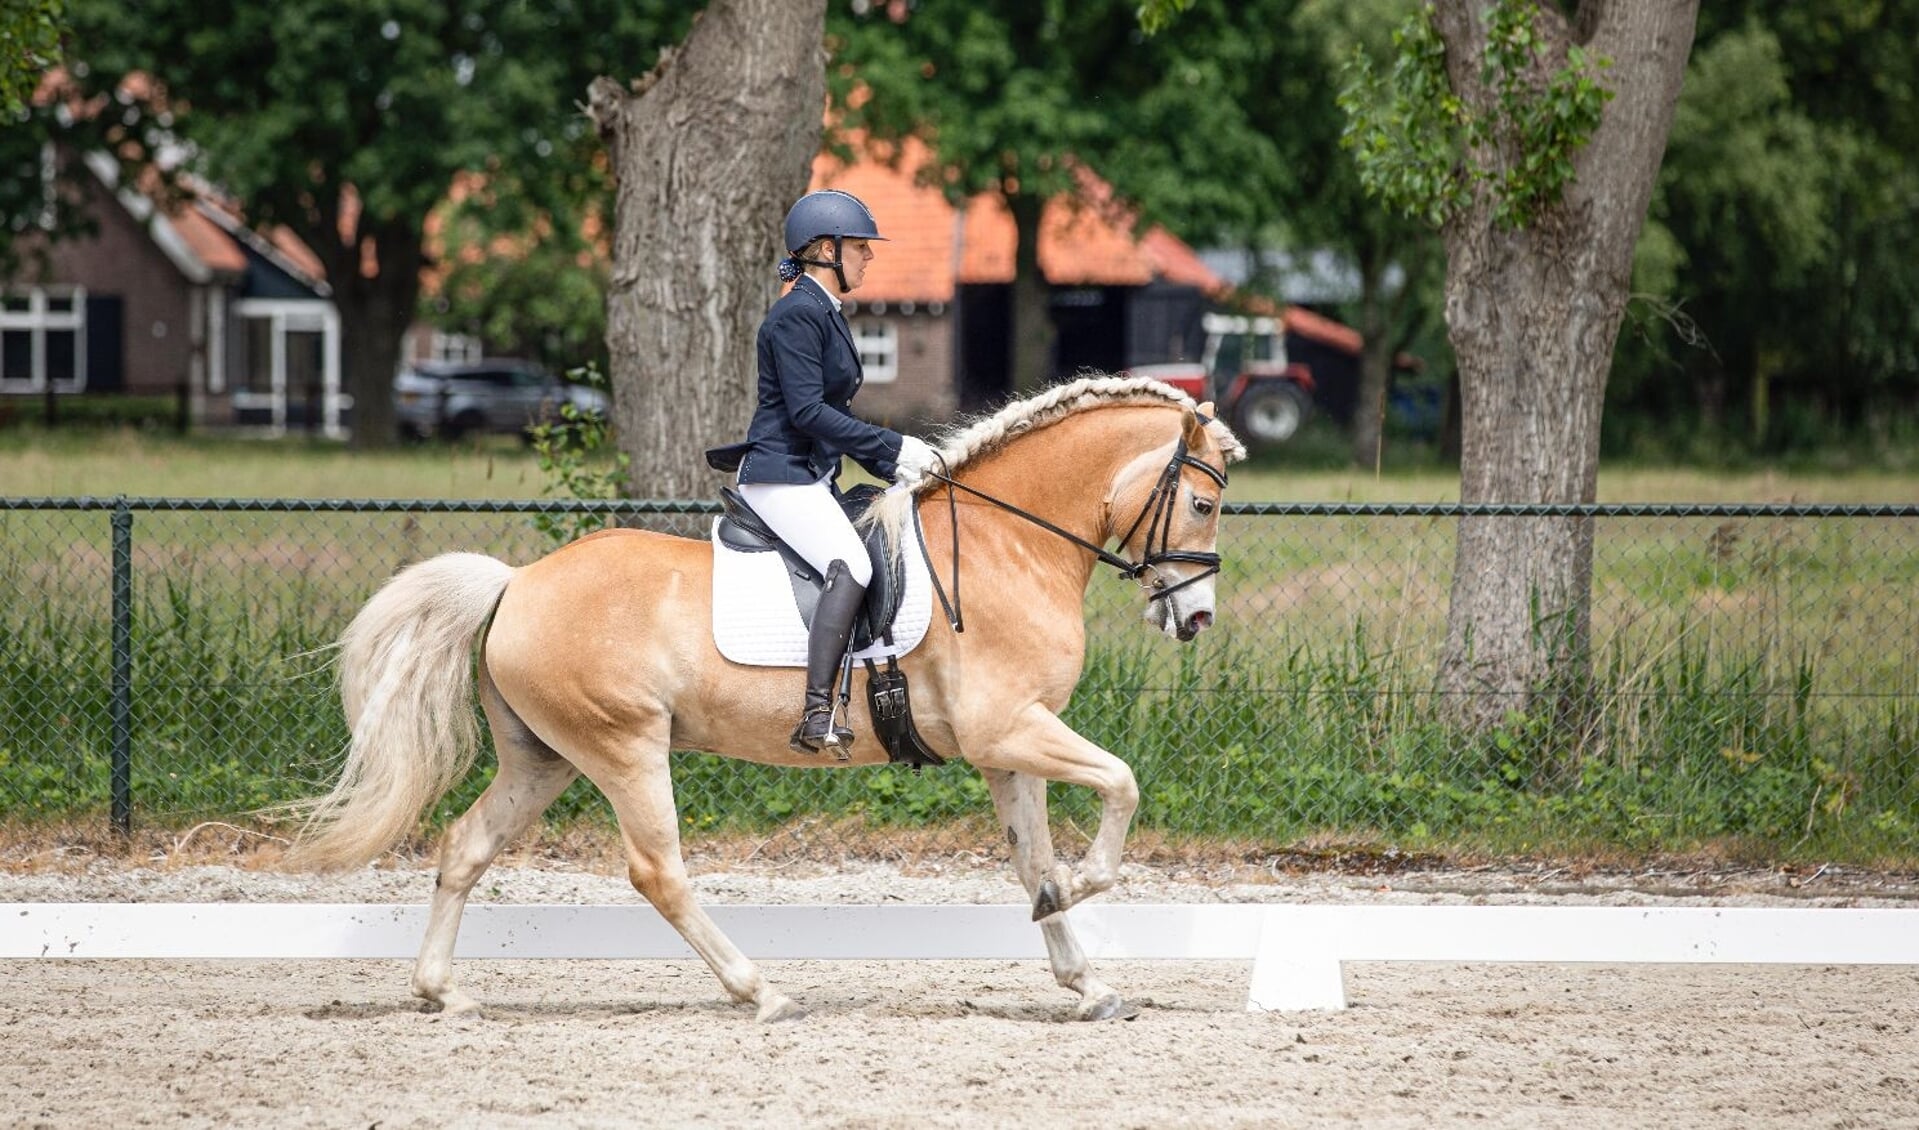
(916, 264)
(1320, 328)
(1085, 239)
(1176, 262)
(208, 243)
(302, 256)
(220, 211)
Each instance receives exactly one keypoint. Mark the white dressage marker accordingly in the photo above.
(1297, 952)
(1299, 963)
(383, 930)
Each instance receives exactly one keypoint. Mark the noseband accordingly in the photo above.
(1156, 515)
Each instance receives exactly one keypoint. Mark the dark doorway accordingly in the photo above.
(985, 335)
(1090, 327)
(1163, 324)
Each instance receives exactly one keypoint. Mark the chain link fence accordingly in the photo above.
(1754, 681)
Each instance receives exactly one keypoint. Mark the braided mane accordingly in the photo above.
(974, 439)
(970, 440)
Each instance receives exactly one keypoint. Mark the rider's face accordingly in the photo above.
(858, 253)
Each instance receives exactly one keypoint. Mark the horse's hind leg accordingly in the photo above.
(642, 796)
(531, 775)
(1020, 800)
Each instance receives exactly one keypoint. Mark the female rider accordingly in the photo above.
(803, 425)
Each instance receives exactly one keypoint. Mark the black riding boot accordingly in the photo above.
(825, 649)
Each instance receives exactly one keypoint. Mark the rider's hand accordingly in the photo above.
(916, 458)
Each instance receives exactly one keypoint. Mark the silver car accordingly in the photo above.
(454, 399)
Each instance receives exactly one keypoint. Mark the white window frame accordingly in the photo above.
(38, 320)
(298, 315)
(878, 343)
(462, 349)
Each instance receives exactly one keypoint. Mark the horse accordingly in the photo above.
(598, 659)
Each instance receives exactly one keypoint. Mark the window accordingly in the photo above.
(460, 348)
(43, 340)
(879, 346)
(254, 376)
(288, 373)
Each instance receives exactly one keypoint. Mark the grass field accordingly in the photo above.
(1755, 688)
(38, 464)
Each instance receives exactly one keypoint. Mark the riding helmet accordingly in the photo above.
(828, 212)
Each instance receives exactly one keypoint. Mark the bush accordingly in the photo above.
(93, 411)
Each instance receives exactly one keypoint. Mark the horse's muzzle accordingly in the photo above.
(1193, 625)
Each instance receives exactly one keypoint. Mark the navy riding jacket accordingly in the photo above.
(809, 371)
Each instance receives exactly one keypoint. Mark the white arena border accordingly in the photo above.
(1298, 952)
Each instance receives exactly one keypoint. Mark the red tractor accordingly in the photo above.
(1244, 371)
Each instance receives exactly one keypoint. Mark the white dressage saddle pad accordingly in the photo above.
(756, 622)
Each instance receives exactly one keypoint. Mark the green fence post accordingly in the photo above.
(122, 707)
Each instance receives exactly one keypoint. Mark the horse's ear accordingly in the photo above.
(1194, 432)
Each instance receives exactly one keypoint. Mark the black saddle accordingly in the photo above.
(743, 531)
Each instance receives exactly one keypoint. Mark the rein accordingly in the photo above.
(1156, 515)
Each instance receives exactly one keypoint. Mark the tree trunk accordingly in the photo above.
(375, 309)
(374, 315)
(1032, 312)
(1375, 367)
(709, 149)
(1533, 315)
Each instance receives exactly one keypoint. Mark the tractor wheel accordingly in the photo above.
(1271, 412)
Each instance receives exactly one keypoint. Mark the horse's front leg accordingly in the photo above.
(1042, 745)
(1020, 800)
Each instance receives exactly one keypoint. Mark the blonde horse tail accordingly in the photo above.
(406, 681)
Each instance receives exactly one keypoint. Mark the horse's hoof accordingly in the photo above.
(1046, 903)
(1109, 1007)
(456, 1003)
(781, 1011)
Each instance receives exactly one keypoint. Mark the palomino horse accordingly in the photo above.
(598, 659)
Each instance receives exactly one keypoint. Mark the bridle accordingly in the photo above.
(1156, 515)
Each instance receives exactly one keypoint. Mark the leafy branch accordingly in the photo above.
(1424, 151)
(572, 454)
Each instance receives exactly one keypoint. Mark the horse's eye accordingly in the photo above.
(1203, 505)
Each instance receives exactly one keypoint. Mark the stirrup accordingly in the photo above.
(819, 731)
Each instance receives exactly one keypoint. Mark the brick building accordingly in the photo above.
(933, 318)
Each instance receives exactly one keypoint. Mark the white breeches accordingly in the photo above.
(808, 518)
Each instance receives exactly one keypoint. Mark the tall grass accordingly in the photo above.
(1754, 686)
(237, 712)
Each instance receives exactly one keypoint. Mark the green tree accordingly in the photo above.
(1744, 192)
(1277, 64)
(538, 294)
(30, 33)
(992, 87)
(1852, 70)
(1782, 216)
(1011, 94)
(1531, 137)
(346, 120)
(709, 149)
(1334, 211)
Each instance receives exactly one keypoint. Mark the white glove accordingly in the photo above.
(915, 459)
